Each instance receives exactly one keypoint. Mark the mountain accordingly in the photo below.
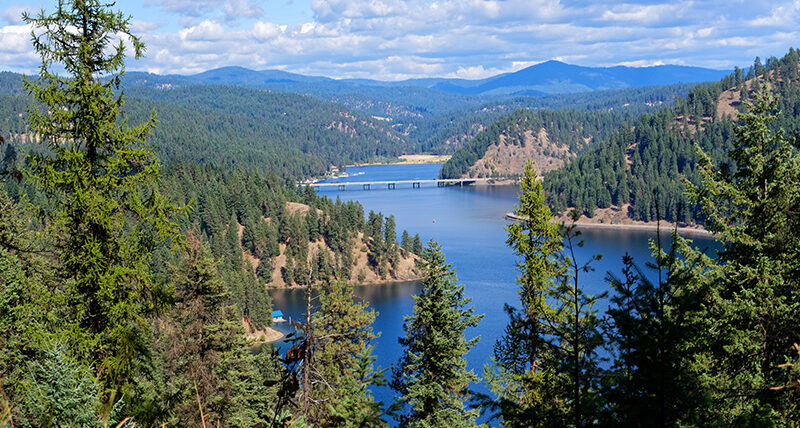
(631, 167)
(639, 171)
(292, 135)
(416, 98)
(552, 77)
(547, 138)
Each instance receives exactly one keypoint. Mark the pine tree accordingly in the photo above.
(648, 383)
(212, 378)
(743, 309)
(431, 377)
(574, 339)
(416, 245)
(341, 368)
(405, 242)
(523, 385)
(545, 368)
(101, 175)
(59, 392)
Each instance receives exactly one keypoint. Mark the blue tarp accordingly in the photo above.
(276, 314)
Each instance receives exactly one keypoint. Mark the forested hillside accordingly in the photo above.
(641, 169)
(549, 138)
(291, 135)
(446, 133)
(266, 234)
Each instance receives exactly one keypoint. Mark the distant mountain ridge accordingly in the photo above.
(549, 77)
(553, 77)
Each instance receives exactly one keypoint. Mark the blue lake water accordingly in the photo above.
(468, 222)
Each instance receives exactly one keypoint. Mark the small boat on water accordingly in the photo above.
(277, 317)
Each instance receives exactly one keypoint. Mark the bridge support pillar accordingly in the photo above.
(391, 185)
(341, 187)
(439, 184)
(366, 187)
(415, 185)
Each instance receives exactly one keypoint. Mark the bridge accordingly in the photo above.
(392, 184)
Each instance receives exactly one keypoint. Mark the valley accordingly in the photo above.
(453, 227)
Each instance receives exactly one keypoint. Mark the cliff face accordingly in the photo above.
(547, 138)
(507, 156)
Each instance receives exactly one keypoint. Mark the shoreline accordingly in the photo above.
(407, 160)
(266, 334)
(645, 227)
(666, 227)
(363, 284)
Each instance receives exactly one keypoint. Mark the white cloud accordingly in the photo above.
(394, 39)
(474, 72)
(138, 26)
(235, 9)
(13, 14)
(266, 30)
(781, 15)
(205, 31)
(15, 39)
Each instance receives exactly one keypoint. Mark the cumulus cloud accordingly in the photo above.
(229, 10)
(397, 39)
(13, 14)
(235, 9)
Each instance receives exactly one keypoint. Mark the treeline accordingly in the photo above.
(443, 133)
(250, 221)
(687, 339)
(290, 135)
(564, 128)
(642, 168)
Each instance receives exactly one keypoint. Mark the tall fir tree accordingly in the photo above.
(743, 309)
(342, 364)
(102, 177)
(648, 382)
(516, 375)
(212, 379)
(431, 379)
(545, 368)
(574, 340)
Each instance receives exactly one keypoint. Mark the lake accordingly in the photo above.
(468, 223)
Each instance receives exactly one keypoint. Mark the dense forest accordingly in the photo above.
(290, 135)
(571, 130)
(643, 167)
(127, 287)
(446, 133)
(297, 136)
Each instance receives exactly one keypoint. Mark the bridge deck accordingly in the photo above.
(362, 183)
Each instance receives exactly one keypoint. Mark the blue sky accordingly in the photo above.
(392, 39)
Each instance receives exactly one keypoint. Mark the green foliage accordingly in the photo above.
(742, 310)
(431, 377)
(59, 392)
(545, 367)
(26, 299)
(206, 359)
(342, 361)
(355, 407)
(101, 176)
(642, 169)
(516, 374)
(269, 132)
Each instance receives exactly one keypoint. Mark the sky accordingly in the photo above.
(395, 40)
